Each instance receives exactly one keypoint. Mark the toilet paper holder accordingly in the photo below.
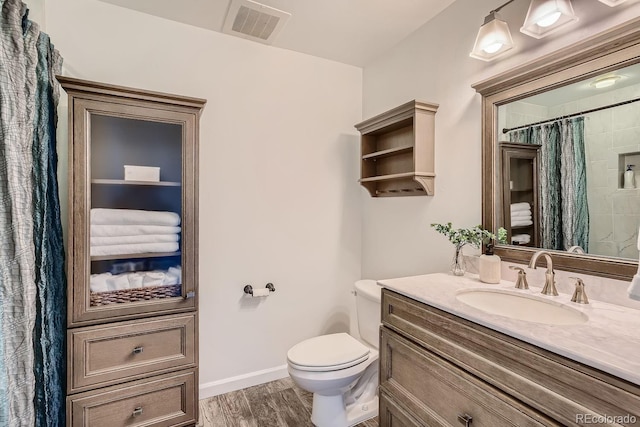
(248, 289)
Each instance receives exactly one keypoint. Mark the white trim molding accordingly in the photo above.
(215, 388)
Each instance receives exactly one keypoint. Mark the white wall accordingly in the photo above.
(433, 65)
(279, 199)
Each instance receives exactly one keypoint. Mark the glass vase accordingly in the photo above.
(458, 265)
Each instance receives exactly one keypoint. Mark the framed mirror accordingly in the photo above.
(559, 135)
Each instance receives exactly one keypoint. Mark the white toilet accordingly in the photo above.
(340, 371)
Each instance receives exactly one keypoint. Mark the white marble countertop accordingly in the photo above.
(609, 340)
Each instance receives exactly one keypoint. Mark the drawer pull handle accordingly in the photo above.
(465, 419)
(137, 411)
(138, 350)
(190, 294)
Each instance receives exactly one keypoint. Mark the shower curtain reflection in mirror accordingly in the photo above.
(562, 183)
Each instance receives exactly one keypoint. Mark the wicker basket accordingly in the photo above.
(133, 295)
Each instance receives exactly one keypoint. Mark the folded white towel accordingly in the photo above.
(521, 218)
(118, 282)
(522, 239)
(126, 240)
(131, 230)
(522, 206)
(176, 272)
(521, 223)
(100, 216)
(169, 279)
(153, 278)
(138, 248)
(520, 214)
(135, 280)
(107, 282)
(98, 282)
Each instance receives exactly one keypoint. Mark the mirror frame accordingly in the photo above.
(612, 49)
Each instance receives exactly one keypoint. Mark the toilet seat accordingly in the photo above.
(327, 353)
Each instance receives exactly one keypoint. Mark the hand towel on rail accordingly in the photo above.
(100, 216)
(138, 248)
(130, 230)
(126, 240)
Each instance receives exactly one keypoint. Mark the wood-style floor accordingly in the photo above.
(276, 404)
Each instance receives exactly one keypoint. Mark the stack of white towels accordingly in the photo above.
(521, 217)
(107, 282)
(129, 231)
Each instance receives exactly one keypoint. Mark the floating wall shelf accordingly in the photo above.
(397, 151)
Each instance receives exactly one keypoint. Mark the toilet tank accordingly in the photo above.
(368, 294)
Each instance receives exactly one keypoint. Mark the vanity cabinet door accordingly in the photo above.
(441, 394)
(393, 415)
(133, 212)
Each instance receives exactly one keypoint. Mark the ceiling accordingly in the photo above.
(348, 31)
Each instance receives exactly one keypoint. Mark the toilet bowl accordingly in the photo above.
(341, 371)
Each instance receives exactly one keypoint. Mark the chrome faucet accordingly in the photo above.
(549, 281)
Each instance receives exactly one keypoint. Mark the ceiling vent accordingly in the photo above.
(254, 21)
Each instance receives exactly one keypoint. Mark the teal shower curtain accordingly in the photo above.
(32, 279)
(562, 181)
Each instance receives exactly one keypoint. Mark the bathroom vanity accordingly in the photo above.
(444, 362)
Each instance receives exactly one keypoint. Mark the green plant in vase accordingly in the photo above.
(474, 236)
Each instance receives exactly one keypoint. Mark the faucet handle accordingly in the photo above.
(579, 294)
(521, 281)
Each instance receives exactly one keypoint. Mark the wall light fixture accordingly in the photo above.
(547, 16)
(494, 37)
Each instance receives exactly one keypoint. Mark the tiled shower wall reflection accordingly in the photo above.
(612, 139)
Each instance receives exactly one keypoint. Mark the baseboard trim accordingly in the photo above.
(227, 385)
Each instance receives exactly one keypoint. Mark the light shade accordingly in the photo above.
(493, 39)
(546, 16)
(612, 3)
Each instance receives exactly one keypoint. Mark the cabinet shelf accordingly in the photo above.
(101, 181)
(398, 151)
(130, 256)
(386, 153)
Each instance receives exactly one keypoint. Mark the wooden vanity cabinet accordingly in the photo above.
(437, 369)
(132, 326)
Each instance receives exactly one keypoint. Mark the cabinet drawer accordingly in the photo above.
(392, 415)
(439, 393)
(166, 400)
(107, 354)
(560, 388)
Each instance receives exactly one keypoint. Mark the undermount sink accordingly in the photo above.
(521, 306)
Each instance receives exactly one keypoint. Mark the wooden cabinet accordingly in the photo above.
(437, 369)
(132, 256)
(397, 151)
(520, 207)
